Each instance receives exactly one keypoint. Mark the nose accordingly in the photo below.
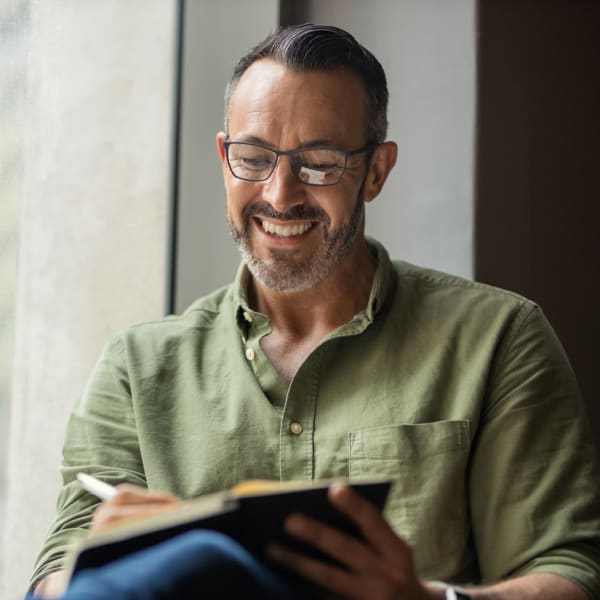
(283, 190)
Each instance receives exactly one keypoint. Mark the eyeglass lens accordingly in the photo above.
(317, 166)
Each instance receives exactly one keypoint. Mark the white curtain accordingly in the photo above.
(97, 108)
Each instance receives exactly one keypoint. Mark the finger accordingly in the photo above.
(130, 502)
(107, 515)
(370, 521)
(347, 550)
(128, 493)
(329, 577)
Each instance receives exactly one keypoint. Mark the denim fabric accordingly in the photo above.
(197, 564)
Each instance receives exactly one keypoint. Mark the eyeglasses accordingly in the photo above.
(313, 166)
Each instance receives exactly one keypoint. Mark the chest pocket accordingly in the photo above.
(428, 504)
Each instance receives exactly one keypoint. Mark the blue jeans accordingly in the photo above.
(197, 564)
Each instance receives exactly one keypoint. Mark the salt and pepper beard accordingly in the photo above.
(281, 272)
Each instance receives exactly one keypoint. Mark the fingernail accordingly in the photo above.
(335, 487)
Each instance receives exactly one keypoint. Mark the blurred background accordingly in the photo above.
(112, 208)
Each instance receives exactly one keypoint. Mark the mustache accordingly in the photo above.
(300, 211)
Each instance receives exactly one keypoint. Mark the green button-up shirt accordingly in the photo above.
(458, 391)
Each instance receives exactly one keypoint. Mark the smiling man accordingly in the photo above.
(325, 359)
(297, 214)
(292, 235)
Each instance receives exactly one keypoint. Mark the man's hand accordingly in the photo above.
(380, 567)
(131, 502)
(51, 586)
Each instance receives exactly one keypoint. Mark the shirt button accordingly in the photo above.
(250, 354)
(296, 428)
(248, 317)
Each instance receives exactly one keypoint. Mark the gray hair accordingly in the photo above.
(309, 47)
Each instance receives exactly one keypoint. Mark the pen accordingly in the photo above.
(102, 490)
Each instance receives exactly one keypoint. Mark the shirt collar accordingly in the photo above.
(384, 284)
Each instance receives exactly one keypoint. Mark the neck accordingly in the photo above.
(317, 311)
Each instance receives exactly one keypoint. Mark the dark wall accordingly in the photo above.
(537, 228)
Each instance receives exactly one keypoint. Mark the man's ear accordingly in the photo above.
(221, 137)
(382, 162)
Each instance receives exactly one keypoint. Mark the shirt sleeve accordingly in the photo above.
(102, 440)
(534, 476)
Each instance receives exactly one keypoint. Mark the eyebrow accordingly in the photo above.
(318, 143)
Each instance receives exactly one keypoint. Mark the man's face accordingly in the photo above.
(290, 234)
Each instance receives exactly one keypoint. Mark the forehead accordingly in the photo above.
(278, 105)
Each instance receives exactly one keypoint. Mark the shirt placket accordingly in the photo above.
(297, 451)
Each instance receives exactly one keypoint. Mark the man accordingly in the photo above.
(326, 360)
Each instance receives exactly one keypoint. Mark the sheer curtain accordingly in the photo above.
(14, 38)
(92, 104)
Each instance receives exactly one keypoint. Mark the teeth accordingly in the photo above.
(285, 231)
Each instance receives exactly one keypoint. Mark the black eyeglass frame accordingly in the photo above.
(296, 165)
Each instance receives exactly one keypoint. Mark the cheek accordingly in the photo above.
(340, 207)
(239, 196)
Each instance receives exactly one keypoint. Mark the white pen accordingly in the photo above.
(101, 489)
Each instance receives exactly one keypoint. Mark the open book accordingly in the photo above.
(251, 513)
